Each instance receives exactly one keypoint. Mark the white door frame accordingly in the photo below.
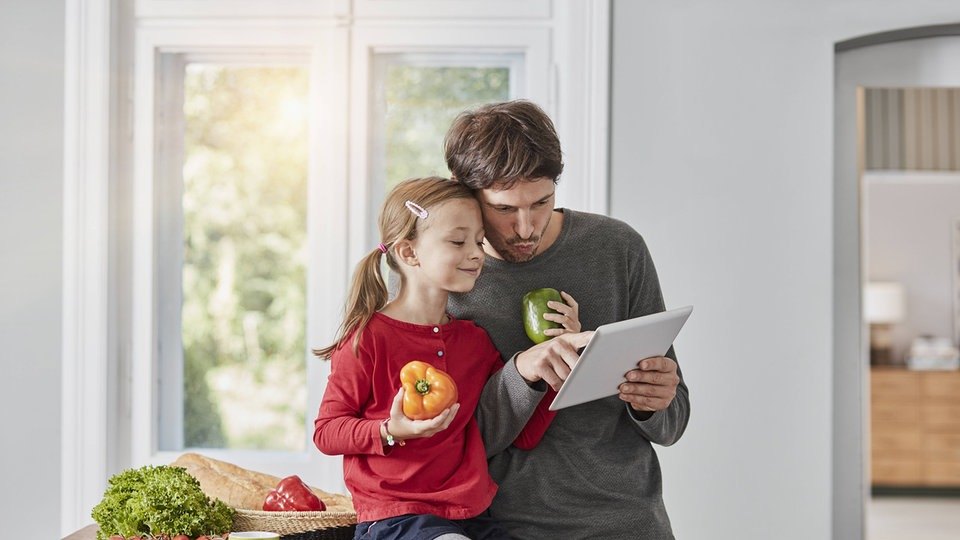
(913, 57)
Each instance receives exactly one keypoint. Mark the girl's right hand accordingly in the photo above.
(403, 428)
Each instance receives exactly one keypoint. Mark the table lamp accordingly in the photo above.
(883, 306)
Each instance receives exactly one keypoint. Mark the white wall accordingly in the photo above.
(722, 157)
(31, 147)
(909, 239)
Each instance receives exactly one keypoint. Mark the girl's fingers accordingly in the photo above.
(559, 317)
(396, 409)
(432, 425)
(439, 422)
(567, 313)
(569, 323)
(451, 414)
(554, 332)
(556, 317)
(569, 299)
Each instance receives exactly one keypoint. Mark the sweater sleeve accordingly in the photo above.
(667, 426)
(339, 427)
(505, 406)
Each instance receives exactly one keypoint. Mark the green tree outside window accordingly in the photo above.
(244, 272)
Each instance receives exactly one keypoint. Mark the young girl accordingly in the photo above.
(413, 478)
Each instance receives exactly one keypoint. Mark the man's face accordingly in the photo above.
(515, 219)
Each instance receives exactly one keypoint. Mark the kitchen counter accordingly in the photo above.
(87, 533)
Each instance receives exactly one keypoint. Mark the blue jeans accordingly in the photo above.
(428, 527)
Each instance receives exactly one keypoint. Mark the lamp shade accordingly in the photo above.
(883, 302)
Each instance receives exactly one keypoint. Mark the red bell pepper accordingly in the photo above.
(290, 495)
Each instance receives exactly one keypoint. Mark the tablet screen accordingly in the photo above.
(615, 349)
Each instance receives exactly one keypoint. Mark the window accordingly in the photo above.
(417, 78)
(239, 161)
(242, 152)
(416, 97)
(237, 380)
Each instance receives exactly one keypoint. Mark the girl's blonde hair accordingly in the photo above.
(368, 291)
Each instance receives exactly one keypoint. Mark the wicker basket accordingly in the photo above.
(298, 525)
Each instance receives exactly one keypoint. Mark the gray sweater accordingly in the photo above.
(595, 473)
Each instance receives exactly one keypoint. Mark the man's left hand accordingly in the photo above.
(652, 386)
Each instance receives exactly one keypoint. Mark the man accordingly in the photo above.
(594, 474)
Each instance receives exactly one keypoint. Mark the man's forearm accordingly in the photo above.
(505, 407)
(667, 426)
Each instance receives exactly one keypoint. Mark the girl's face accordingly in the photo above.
(449, 248)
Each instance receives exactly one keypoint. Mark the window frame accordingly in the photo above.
(426, 9)
(323, 47)
(380, 63)
(169, 159)
(370, 40)
(192, 9)
(109, 288)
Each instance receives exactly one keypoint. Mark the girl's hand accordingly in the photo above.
(568, 315)
(403, 428)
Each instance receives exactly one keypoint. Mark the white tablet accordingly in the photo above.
(615, 349)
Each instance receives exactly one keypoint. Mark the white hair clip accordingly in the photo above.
(416, 209)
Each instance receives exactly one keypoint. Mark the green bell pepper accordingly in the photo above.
(534, 305)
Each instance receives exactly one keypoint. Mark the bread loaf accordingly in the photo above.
(243, 488)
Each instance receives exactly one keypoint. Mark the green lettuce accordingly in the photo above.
(159, 500)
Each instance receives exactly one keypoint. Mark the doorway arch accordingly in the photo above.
(917, 56)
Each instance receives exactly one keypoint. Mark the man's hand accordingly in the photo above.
(551, 360)
(652, 386)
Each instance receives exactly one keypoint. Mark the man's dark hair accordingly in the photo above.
(503, 143)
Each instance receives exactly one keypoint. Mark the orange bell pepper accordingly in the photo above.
(427, 390)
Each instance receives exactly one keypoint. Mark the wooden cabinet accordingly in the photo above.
(915, 428)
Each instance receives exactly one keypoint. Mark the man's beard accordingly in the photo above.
(510, 255)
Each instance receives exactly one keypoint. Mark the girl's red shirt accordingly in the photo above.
(446, 474)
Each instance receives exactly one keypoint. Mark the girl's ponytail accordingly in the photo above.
(368, 294)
